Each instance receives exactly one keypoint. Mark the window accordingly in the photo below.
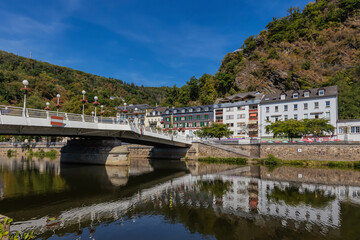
(187, 124)
(276, 108)
(340, 130)
(229, 117)
(295, 107)
(231, 124)
(285, 117)
(241, 108)
(317, 115)
(267, 99)
(321, 92)
(183, 118)
(194, 124)
(201, 124)
(306, 116)
(242, 116)
(229, 109)
(306, 94)
(295, 95)
(282, 96)
(327, 115)
(167, 112)
(267, 109)
(276, 119)
(183, 110)
(206, 108)
(190, 124)
(327, 104)
(198, 109)
(316, 105)
(285, 108)
(305, 106)
(175, 111)
(240, 124)
(190, 110)
(190, 117)
(295, 116)
(267, 118)
(355, 129)
(198, 117)
(206, 116)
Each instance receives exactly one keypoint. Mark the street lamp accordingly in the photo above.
(96, 103)
(25, 90)
(92, 113)
(47, 108)
(102, 111)
(58, 104)
(83, 101)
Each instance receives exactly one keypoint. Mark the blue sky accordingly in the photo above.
(149, 42)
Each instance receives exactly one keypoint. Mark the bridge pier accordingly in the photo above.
(95, 151)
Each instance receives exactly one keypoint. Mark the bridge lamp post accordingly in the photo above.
(25, 90)
(102, 111)
(83, 101)
(47, 108)
(58, 104)
(96, 103)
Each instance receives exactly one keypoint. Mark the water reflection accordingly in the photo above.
(220, 201)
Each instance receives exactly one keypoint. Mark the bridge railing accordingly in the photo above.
(46, 114)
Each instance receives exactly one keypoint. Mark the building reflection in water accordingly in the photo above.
(302, 202)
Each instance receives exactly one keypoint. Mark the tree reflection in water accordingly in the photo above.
(216, 187)
(293, 197)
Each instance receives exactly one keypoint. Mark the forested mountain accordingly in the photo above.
(317, 46)
(47, 80)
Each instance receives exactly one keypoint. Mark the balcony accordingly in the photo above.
(253, 110)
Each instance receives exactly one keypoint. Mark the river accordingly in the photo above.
(175, 200)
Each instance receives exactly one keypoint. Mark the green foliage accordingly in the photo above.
(214, 131)
(292, 128)
(249, 44)
(47, 80)
(293, 197)
(236, 161)
(306, 65)
(5, 234)
(42, 154)
(216, 187)
(10, 153)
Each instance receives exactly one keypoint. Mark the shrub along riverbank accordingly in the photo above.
(236, 161)
(272, 161)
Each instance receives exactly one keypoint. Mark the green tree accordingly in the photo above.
(290, 128)
(317, 127)
(193, 88)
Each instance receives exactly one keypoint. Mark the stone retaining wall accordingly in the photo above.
(22, 150)
(330, 152)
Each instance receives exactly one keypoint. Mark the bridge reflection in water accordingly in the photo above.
(226, 202)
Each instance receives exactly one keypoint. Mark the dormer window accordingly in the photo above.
(183, 110)
(190, 110)
(282, 96)
(267, 99)
(175, 111)
(198, 109)
(295, 95)
(321, 92)
(207, 109)
(306, 94)
(167, 112)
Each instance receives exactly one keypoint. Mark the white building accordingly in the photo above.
(349, 130)
(299, 104)
(240, 113)
(153, 117)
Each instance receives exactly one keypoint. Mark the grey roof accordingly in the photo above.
(138, 106)
(160, 109)
(240, 97)
(313, 93)
(211, 107)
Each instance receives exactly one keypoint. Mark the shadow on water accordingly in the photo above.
(214, 201)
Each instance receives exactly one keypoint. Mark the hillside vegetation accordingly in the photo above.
(310, 48)
(47, 80)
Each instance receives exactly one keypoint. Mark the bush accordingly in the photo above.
(272, 160)
(237, 161)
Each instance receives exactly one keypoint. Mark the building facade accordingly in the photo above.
(188, 119)
(153, 117)
(299, 104)
(240, 113)
(349, 130)
(134, 113)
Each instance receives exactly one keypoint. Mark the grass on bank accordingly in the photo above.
(272, 161)
(235, 161)
(42, 154)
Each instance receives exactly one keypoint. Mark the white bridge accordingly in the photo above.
(17, 121)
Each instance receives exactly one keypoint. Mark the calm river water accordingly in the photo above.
(172, 200)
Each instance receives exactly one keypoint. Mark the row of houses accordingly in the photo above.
(247, 114)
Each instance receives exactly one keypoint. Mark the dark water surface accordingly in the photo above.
(174, 200)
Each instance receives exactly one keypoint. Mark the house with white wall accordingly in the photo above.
(299, 104)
